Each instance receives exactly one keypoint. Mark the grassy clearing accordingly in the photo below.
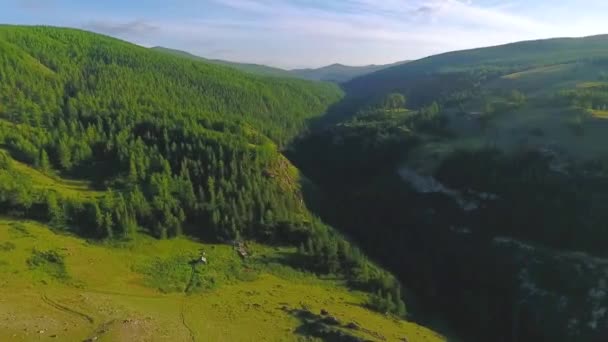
(50, 262)
(588, 85)
(600, 114)
(145, 291)
(576, 132)
(543, 83)
(65, 187)
(536, 71)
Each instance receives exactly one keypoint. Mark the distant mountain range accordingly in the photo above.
(340, 73)
(250, 68)
(337, 73)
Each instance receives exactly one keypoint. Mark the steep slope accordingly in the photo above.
(446, 74)
(167, 147)
(483, 175)
(51, 61)
(339, 73)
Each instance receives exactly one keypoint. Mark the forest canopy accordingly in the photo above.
(174, 145)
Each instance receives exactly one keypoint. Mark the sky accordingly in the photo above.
(313, 33)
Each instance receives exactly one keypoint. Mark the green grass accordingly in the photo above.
(587, 85)
(543, 121)
(138, 291)
(600, 114)
(575, 132)
(536, 71)
(65, 187)
(50, 262)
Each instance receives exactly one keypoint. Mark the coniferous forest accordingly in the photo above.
(469, 185)
(174, 146)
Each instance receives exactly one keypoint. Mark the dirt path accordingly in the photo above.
(121, 294)
(183, 319)
(60, 307)
(100, 330)
(183, 310)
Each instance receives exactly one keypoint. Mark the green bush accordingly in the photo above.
(7, 246)
(168, 275)
(50, 262)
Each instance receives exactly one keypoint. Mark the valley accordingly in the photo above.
(145, 196)
(477, 177)
(150, 194)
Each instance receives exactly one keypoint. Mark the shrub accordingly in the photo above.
(49, 262)
(7, 246)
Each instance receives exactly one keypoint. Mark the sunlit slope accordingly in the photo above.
(450, 73)
(48, 70)
(112, 293)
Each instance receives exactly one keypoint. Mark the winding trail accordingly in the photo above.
(183, 318)
(121, 294)
(60, 307)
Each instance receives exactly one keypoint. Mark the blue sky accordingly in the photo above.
(312, 33)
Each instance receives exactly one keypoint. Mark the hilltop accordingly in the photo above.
(461, 70)
(257, 69)
(500, 95)
(340, 73)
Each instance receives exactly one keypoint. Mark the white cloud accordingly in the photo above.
(289, 34)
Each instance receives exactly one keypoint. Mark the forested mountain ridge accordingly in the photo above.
(256, 69)
(337, 73)
(465, 69)
(173, 147)
(483, 173)
(60, 56)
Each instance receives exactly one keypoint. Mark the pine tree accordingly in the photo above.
(43, 162)
(99, 219)
(65, 155)
(55, 210)
(133, 174)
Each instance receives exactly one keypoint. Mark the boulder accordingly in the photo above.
(331, 320)
(353, 326)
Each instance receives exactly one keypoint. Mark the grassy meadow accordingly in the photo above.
(57, 286)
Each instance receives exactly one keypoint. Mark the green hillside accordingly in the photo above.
(477, 165)
(50, 62)
(61, 287)
(499, 95)
(119, 144)
(255, 69)
(446, 74)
